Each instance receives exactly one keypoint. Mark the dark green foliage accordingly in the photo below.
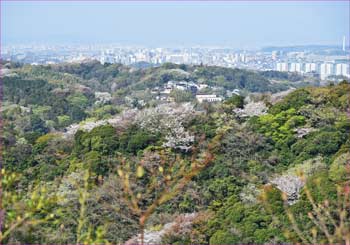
(101, 139)
(25, 92)
(181, 96)
(100, 146)
(89, 70)
(223, 237)
(272, 200)
(39, 92)
(203, 125)
(321, 187)
(135, 139)
(37, 125)
(236, 100)
(237, 223)
(282, 75)
(293, 100)
(319, 143)
(239, 148)
(233, 78)
(31, 136)
(215, 191)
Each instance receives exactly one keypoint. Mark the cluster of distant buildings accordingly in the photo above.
(323, 69)
(335, 65)
(320, 61)
(163, 92)
(194, 56)
(275, 60)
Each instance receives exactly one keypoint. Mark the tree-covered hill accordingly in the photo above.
(82, 164)
(102, 77)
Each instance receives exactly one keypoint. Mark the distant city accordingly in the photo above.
(325, 62)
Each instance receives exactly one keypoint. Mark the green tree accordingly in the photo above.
(236, 100)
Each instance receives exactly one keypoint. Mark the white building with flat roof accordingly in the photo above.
(208, 98)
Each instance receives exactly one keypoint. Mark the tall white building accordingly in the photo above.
(103, 59)
(326, 69)
(243, 58)
(274, 55)
(342, 69)
(282, 67)
(295, 67)
(236, 59)
(310, 67)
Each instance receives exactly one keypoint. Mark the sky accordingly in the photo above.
(236, 24)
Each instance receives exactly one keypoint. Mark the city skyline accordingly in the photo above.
(226, 24)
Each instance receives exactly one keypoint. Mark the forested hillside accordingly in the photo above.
(92, 154)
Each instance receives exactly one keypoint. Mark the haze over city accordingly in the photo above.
(240, 25)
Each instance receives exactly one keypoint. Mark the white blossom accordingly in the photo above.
(290, 185)
(169, 119)
(301, 132)
(102, 97)
(251, 109)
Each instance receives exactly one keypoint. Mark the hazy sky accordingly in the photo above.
(237, 24)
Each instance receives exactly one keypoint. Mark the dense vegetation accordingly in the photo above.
(79, 169)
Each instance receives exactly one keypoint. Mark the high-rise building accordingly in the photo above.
(295, 67)
(282, 67)
(236, 58)
(292, 67)
(274, 55)
(310, 67)
(344, 43)
(278, 67)
(326, 70)
(342, 70)
(243, 58)
(299, 67)
(103, 58)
